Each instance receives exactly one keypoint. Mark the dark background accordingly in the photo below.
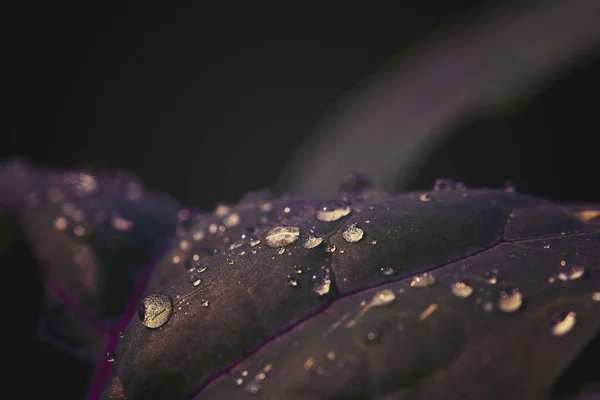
(208, 103)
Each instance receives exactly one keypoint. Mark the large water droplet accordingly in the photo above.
(510, 301)
(155, 310)
(383, 298)
(353, 233)
(312, 242)
(441, 185)
(461, 289)
(423, 280)
(575, 272)
(281, 236)
(563, 324)
(333, 211)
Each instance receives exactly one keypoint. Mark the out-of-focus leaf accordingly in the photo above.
(387, 126)
(443, 294)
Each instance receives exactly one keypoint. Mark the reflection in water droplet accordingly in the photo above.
(312, 242)
(155, 310)
(387, 271)
(563, 324)
(576, 272)
(461, 289)
(353, 234)
(423, 280)
(383, 298)
(510, 301)
(333, 211)
(293, 282)
(281, 236)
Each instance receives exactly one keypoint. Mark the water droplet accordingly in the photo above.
(461, 289)
(309, 363)
(331, 355)
(374, 241)
(545, 245)
(109, 357)
(428, 311)
(330, 248)
(254, 242)
(204, 303)
(596, 296)
(423, 280)
(281, 251)
(510, 301)
(373, 337)
(312, 242)
(121, 335)
(576, 272)
(333, 211)
(354, 182)
(198, 235)
(564, 324)
(510, 187)
(195, 280)
(441, 185)
(322, 283)
(60, 223)
(491, 277)
(298, 270)
(352, 234)
(231, 220)
(222, 210)
(383, 298)
(293, 282)
(388, 271)
(424, 197)
(155, 310)
(281, 236)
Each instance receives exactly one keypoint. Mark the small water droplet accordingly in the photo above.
(510, 301)
(204, 303)
(510, 187)
(423, 280)
(563, 324)
(353, 234)
(155, 310)
(373, 337)
(383, 298)
(293, 282)
(461, 289)
(282, 235)
(109, 357)
(281, 251)
(545, 245)
(576, 272)
(373, 241)
(442, 185)
(312, 242)
(121, 335)
(387, 271)
(232, 220)
(298, 270)
(322, 283)
(195, 280)
(491, 277)
(333, 211)
(330, 248)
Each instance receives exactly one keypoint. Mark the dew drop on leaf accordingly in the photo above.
(563, 324)
(352, 234)
(312, 242)
(510, 301)
(423, 280)
(383, 298)
(333, 211)
(461, 289)
(155, 310)
(281, 236)
(576, 272)
(204, 303)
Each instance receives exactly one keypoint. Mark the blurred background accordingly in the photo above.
(208, 102)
